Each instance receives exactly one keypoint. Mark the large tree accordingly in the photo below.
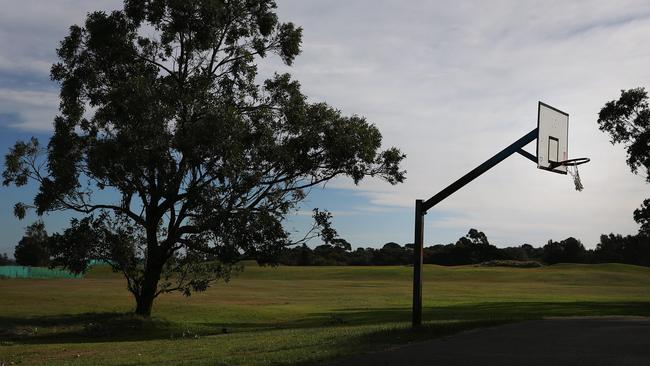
(627, 121)
(161, 106)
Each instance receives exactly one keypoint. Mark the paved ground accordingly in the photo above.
(566, 341)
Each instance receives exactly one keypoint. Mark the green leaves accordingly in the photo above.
(627, 120)
(20, 162)
(289, 39)
(642, 217)
(621, 117)
(20, 210)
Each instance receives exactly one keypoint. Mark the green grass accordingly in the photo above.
(294, 315)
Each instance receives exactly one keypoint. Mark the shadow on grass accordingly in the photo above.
(117, 327)
(496, 310)
(85, 327)
(395, 335)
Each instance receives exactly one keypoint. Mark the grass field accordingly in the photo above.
(294, 315)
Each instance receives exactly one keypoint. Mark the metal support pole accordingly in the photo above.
(421, 208)
(418, 248)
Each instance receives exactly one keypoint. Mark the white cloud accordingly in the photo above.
(452, 83)
(30, 98)
(30, 32)
(448, 82)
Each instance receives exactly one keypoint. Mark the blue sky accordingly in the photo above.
(448, 82)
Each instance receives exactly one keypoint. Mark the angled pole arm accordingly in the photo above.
(527, 155)
(421, 208)
(476, 172)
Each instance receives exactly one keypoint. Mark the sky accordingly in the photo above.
(450, 83)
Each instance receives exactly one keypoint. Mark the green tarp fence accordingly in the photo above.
(35, 272)
(98, 262)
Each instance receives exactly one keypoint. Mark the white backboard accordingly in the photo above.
(552, 138)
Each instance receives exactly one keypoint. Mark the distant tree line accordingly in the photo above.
(475, 248)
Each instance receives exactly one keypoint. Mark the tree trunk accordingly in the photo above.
(152, 271)
(144, 300)
(143, 305)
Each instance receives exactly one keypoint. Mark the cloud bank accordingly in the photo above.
(450, 83)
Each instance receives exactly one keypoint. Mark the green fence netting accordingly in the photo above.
(98, 262)
(35, 272)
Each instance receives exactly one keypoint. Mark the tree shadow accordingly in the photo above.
(85, 327)
(119, 327)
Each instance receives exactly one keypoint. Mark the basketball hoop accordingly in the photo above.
(572, 169)
(552, 135)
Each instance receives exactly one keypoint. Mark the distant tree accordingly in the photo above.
(474, 248)
(627, 121)
(515, 253)
(362, 257)
(392, 254)
(471, 249)
(329, 255)
(642, 217)
(32, 248)
(637, 250)
(532, 252)
(477, 237)
(574, 251)
(610, 248)
(391, 246)
(630, 249)
(440, 254)
(5, 260)
(296, 256)
(569, 250)
(160, 105)
(341, 243)
(553, 252)
(473, 237)
(305, 255)
(334, 251)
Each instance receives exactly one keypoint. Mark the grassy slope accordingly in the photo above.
(294, 314)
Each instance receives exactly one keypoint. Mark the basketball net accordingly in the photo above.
(572, 169)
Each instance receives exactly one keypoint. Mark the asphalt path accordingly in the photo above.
(559, 341)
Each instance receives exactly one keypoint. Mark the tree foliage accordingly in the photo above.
(470, 249)
(31, 250)
(569, 250)
(161, 105)
(627, 121)
(630, 249)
